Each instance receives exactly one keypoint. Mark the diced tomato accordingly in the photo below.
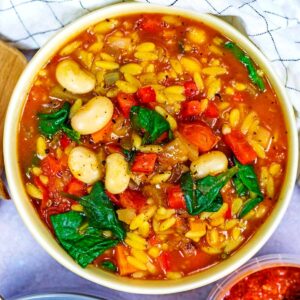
(212, 110)
(150, 24)
(124, 267)
(228, 214)
(65, 141)
(125, 102)
(190, 89)
(200, 135)
(175, 197)
(132, 199)
(113, 198)
(164, 261)
(50, 165)
(240, 147)
(76, 187)
(191, 108)
(144, 163)
(102, 135)
(113, 148)
(153, 240)
(146, 94)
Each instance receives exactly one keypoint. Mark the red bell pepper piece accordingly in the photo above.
(164, 261)
(64, 141)
(228, 214)
(200, 135)
(190, 89)
(132, 199)
(191, 108)
(125, 102)
(113, 198)
(240, 147)
(76, 187)
(175, 197)
(144, 163)
(50, 165)
(113, 148)
(211, 110)
(146, 94)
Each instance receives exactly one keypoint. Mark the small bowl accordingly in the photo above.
(254, 265)
(41, 232)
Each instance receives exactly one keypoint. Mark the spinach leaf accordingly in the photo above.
(49, 124)
(129, 155)
(204, 194)
(247, 184)
(240, 188)
(148, 121)
(72, 134)
(83, 247)
(246, 60)
(100, 211)
(109, 266)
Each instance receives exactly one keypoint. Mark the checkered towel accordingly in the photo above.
(273, 25)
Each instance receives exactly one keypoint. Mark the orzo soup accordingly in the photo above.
(155, 147)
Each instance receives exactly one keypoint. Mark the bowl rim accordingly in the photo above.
(31, 218)
(256, 264)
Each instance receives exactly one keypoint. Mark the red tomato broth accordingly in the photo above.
(269, 284)
(186, 256)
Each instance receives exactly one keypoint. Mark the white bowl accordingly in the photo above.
(40, 231)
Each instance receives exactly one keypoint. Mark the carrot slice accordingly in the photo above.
(101, 135)
(124, 267)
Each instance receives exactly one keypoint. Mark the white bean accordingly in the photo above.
(117, 175)
(84, 165)
(73, 78)
(93, 116)
(211, 163)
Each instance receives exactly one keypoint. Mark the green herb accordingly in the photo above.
(241, 190)
(51, 123)
(83, 247)
(248, 185)
(129, 155)
(148, 121)
(72, 134)
(100, 211)
(111, 78)
(246, 60)
(109, 266)
(181, 47)
(204, 194)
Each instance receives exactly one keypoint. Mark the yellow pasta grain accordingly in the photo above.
(139, 274)
(236, 205)
(113, 92)
(172, 20)
(167, 116)
(96, 47)
(173, 98)
(221, 212)
(250, 118)
(140, 255)
(107, 57)
(215, 49)
(77, 207)
(149, 213)
(136, 263)
(148, 78)
(261, 210)
(154, 252)
(136, 141)
(176, 65)
(212, 237)
(167, 224)
(106, 26)
(259, 149)
(239, 86)
(41, 147)
(195, 235)
(270, 187)
(233, 244)
(126, 215)
(174, 89)
(36, 171)
(234, 117)
(213, 88)
(217, 222)
(137, 221)
(75, 107)
(44, 179)
(107, 65)
(190, 65)
(229, 91)
(144, 229)
(126, 87)
(132, 80)
(151, 268)
(226, 129)
(151, 149)
(135, 244)
(33, 191)
(275, 169)
(145, 56)
(132, 68)
(214, 71)
(229, 224)
(198, 81)
(70, 48)
(145, 47)
(211, 250)
(218, 40)
(236, 232)
(160, 178)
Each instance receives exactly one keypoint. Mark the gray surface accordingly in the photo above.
(26, 268)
